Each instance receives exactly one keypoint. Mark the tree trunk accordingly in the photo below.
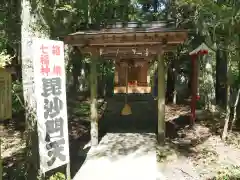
(235, 109)
(155, 9)
(228, 101)
(102, 82)
(227, 117)
(221, 78)
(238, 105)
(29, 29)
(32, 159)
(208, 83)
(170, 82)
(76, 63)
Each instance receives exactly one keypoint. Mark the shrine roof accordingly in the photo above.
(129, 28)
(122, 30)
(129, 38)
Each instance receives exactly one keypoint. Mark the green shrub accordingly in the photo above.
(4, 59)
(58, 176)
(17, 97)
(231, 173)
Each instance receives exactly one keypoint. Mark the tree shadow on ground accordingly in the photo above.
(134, 136)
(13, 166)
(180, 136)
(183, 137)
(78, 137)
(79, 130)
(142, 120)
(14, 125)
(118, 145)
(12, 147)
(126, 129)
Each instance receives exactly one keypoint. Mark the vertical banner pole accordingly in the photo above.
(68, 171)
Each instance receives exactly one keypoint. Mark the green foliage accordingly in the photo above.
(58, 176)
(10, 28)
(4, 59)
(17, 97)
(218, 24)
(106, 68)
(231, 173)
(213, 19)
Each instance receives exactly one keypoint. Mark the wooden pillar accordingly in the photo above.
(126, 83)
(93, 99)
(161, 99)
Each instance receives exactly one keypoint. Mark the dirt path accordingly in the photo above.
(188, 154)
(199, 154)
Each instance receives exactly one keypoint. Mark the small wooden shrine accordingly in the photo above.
(138, 77)
(5, 94)
(131, 45)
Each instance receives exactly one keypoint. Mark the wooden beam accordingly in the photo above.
(126, 38)
(161, 99)
(136, 58)
(93, 108)
(141, 50)
(131, 43)
(121, 49)
(126, 56)
(133, 49)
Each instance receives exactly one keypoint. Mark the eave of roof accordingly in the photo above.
(132, 27)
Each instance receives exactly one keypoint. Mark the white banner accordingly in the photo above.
(50, 93)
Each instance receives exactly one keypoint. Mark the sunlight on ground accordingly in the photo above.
(125, 156)
(11, 144)
(200, 154)
(197, 153)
